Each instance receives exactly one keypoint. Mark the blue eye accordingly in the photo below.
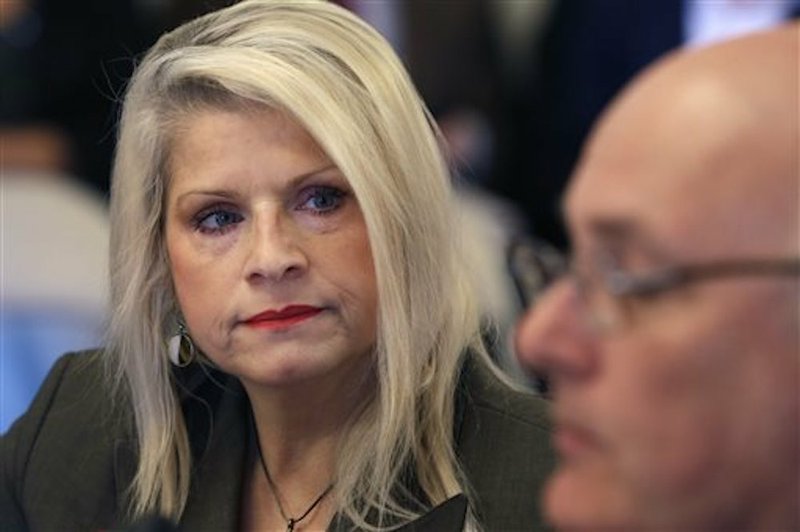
(217, 220)
(322, 200)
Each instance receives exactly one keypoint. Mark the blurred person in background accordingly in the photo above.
(464, 56)
(54, 283)
(515, 87)
(672, 345)
(585, 53)
(62, 65)
(294, 342)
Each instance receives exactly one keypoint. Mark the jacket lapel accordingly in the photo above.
(217, 417)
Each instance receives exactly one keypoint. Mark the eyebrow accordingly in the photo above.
(615, 229)
(294, 182)
(625, 233)
(610, 230)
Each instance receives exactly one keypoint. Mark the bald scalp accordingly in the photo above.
(719, 123)
(761, 68)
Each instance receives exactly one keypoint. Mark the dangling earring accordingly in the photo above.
(181, 343)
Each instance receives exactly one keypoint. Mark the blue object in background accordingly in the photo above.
(30, 342)
(53, 279)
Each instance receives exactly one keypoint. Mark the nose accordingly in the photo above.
(553, 340)
(275, 250)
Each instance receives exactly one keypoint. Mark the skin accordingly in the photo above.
(259, 218)
(686, 417)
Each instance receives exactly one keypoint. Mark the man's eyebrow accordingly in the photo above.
(627, 233)
(604, 225)
(615, 229)
(607, 226)
(615, 232)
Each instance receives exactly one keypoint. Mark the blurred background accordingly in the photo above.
(514, 84)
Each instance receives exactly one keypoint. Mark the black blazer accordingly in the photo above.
(68, 461)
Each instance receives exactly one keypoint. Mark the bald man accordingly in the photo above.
(672, 346)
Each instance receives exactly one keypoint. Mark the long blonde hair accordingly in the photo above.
(343, 83)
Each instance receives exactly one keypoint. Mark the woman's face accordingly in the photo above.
(268, 250)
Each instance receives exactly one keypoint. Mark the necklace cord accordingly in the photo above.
(290, 521)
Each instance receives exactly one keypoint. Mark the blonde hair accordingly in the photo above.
(342, 82)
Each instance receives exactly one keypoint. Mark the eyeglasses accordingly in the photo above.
(608, 293)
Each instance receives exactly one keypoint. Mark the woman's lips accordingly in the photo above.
(283, 318)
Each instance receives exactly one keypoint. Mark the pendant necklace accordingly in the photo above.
(290, 521)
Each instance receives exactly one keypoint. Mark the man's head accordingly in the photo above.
(673, 349)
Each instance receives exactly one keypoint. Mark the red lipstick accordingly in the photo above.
(283, 318)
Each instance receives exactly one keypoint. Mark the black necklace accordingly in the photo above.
(290, 521)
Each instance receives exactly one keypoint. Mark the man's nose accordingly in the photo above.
(275, 250)
(553, 339)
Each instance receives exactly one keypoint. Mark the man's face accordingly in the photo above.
(682, 413)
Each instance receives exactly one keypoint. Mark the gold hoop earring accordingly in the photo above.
(180, 348)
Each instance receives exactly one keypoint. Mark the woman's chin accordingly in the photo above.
(269, 370)
(295, 367)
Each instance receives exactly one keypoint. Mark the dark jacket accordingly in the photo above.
(68, 461)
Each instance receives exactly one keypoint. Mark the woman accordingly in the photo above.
(281, 230)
